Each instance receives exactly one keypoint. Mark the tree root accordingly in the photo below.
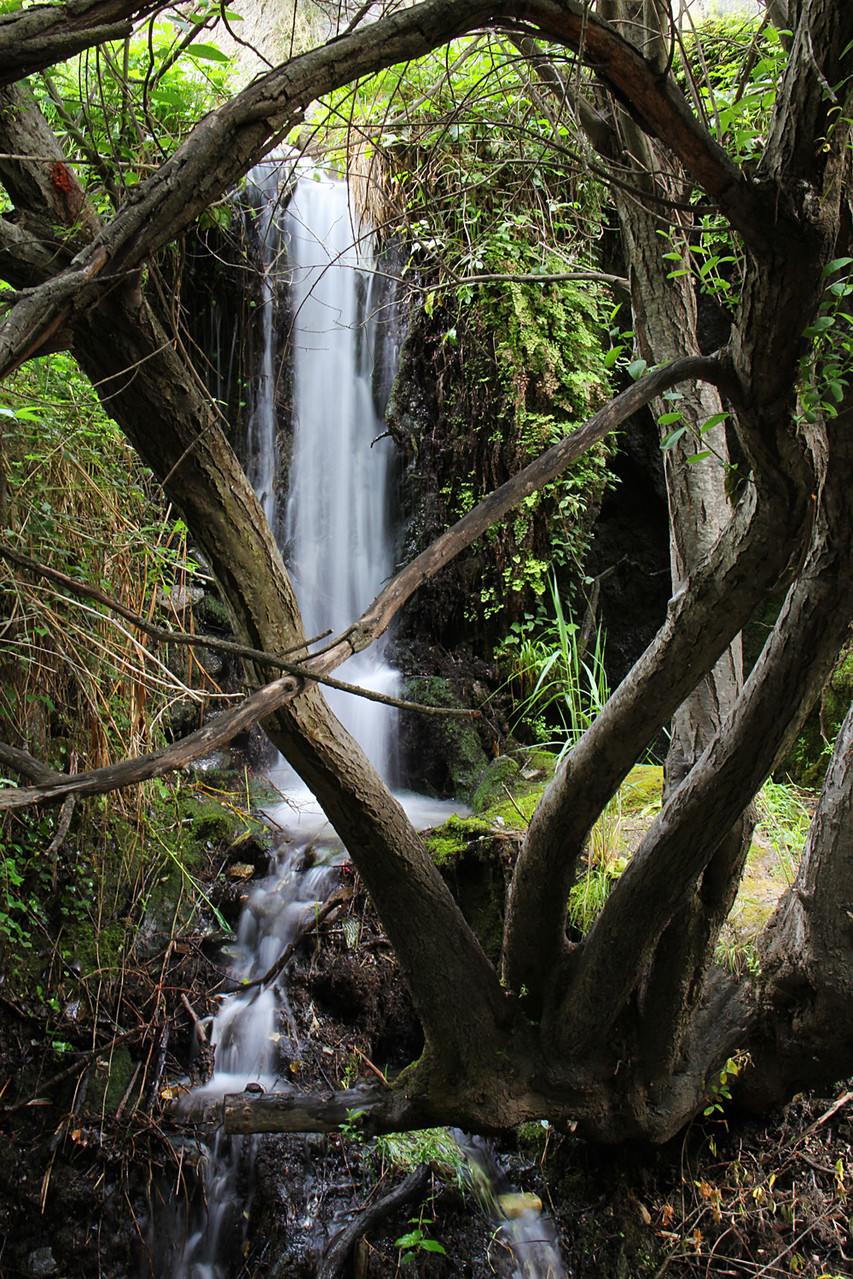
(335, 1256)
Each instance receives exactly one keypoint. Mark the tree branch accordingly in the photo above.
(372, 623)
(36, 37)
(375, 1109)
(793, 667)
(303, 669)
(747, 560)
(130, 772)
(409, 1191)
(227, 141)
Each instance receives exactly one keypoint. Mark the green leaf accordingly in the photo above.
(431, 1245)
(836, 265)
(698, 457)
(672, 437)
(411, 1240)
(713, 421)
(611, 356)
(208, 52)
(667, 419)
(821, 324)
(637, 368)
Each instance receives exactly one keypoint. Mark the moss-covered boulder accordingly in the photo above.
(448, 750)
(510, 782)
(808, 761)
(476, 858)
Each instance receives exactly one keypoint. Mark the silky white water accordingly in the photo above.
(339, 548)
(338, 525)
(338, 542)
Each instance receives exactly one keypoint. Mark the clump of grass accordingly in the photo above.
(784, 819)
(433, 1146)
(558, 682)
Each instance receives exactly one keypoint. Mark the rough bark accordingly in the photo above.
(558, 1049)
(37, 37)
(807, 953)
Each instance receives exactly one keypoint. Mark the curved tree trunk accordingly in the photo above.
(604, 1031)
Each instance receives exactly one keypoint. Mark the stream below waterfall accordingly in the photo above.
(338, 538)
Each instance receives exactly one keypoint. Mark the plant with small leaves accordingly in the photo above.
(353, 1126)
(416, 1240)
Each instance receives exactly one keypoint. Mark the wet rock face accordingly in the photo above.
(446, 757)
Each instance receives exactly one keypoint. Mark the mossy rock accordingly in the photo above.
(455, 742)
(475, 860)
(109, 1081)
(807, 763)
(212, 614)
(212, 823)
(500, 773)
(448, 842)
(510, 783)
(642, 788)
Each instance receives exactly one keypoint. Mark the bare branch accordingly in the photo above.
(218, 732)
(229, 140)
(36, 37)
(371, 624)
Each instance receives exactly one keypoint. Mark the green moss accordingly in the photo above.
(211, 822)
(476, 864)
(455, 741)
(532, 1138)
(515, 813)
(450, 841)
(100, 951)
(109, 1081)
(212, 613)
(500, 773)
(807, 763)
(521, 779)
(642, 788)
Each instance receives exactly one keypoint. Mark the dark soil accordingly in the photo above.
(92, 1157)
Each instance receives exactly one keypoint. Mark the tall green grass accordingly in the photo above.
(558, 683)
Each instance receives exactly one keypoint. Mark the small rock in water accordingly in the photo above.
(254, 1088)
(241, 870)
(513, 1205)
(41, 1263)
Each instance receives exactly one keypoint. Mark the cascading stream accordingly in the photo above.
(338, 533)
(339, 547)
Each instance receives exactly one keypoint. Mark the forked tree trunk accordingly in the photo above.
(573, 1033)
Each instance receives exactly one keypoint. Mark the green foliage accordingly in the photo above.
(75, 683)
(79, 688)
(558, 686)
(433, 1146)
(719, 1090)
(603, 866)
(120, 109)
(731, 67)
(784, 819)
(473, 169)
(826, 365)
(416, 1240)
(353, 1126)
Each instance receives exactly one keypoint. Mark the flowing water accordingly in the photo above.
(338, 540)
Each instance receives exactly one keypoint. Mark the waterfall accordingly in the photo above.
(338, 525)
(338, 544)
(249, 1048)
